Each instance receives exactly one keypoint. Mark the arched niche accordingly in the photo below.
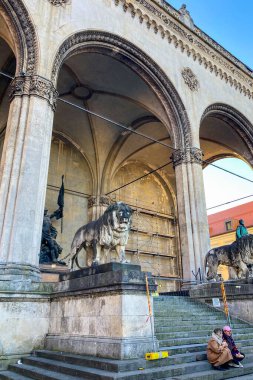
(153, 241)
(225, 132)
(67, 160)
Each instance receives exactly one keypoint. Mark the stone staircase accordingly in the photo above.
(182, 327)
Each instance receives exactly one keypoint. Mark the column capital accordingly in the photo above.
(100, 200)
(36, 85)
(191, 155)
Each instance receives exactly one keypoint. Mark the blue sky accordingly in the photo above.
(230, 23)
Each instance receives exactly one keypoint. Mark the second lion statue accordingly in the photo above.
(98, 237)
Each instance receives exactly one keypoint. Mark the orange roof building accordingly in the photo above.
(222, 226)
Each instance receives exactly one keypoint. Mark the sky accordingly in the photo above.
(230, 23)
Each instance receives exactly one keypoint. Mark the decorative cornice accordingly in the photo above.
(28, 46)
(159, 16)
(190, 155)
(96, 41)
(58, 3)
(34, 85)
(190, 79)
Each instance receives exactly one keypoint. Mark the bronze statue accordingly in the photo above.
(238, 255)
(97, 238)
(50, 249)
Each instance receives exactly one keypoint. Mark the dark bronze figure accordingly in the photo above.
(50, 249)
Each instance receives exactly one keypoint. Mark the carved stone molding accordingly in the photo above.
(25, 31)
(58, 3)
(107, 43)
(34, 85)
(190, 79)
(234, 118)
(101, 200)
(185, 156)
(164, 20)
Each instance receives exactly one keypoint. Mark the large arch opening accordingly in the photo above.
(112, 84)
(226, 139)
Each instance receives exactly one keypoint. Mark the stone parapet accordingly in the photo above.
(239, 294)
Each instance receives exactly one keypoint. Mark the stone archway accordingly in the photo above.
(19, 23)
(95, 41)
(229, 120)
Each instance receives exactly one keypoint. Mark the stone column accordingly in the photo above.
(23, 176)
(97, 206)
(193, 224)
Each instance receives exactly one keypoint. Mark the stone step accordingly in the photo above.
(196, 348)
(238, 335)
(197, 339)
(76, 372)
(180, 303)
(191, 370)
(178, 313)
(29, 372)
(245, 373)
(8, 375)
(244, 377)
(44, 369)
(190, 317)
(112, 365)
(186, 348)
(67, 369)
(190, 327)
(176, 326)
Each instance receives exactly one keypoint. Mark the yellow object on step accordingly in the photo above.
(156, 355)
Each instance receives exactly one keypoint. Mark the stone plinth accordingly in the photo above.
(51, 272)
(24, 311)
(239, 295)
(101, 311)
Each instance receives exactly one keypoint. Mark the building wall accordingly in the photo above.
(217, 227)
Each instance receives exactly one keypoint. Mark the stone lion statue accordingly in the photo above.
(238, 255)
(98, 237)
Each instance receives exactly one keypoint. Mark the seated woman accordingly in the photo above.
(218, 353)
(237, 355)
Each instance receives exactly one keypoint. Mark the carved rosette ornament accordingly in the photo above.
(34, 85)
(58, 3)
(190, 155)
(190, 79)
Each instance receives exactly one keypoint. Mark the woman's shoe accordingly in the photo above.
(218, 368)
(234, 365)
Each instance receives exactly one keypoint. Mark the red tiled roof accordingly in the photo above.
(217, 221)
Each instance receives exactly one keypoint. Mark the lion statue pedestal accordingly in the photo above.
(101, 311)
(239, 294)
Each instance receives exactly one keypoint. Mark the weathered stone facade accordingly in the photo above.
(170, 98)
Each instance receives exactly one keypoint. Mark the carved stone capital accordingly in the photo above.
(34, 85)
(58, 3)
(190, 155)
(196, 155)
(101, 200)
(190, 79)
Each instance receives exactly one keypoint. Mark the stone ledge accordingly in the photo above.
(114, 348)
(234, 289)
(103, 278)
